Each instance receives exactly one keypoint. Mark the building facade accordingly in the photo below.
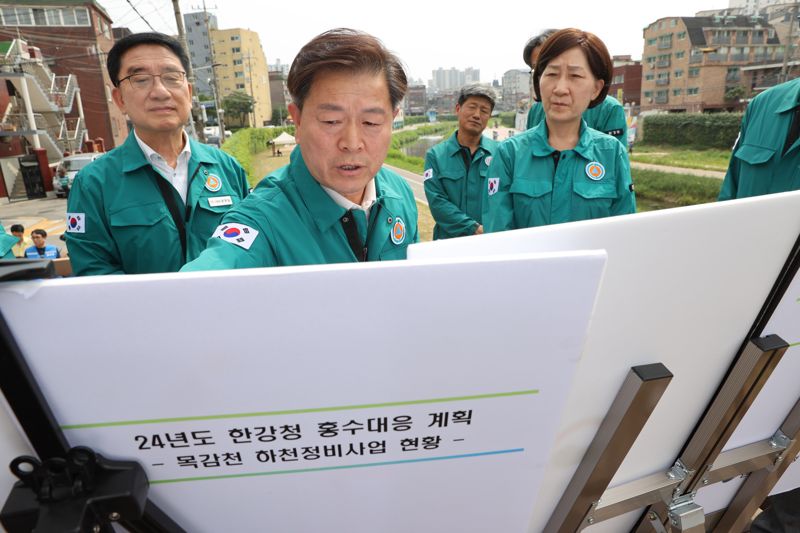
(243, 68)
(516, 89)
(75, 37)
(626, 81)
(279, 94)
(198, 25)
(416, 100)
(453, 78)
(695, 63)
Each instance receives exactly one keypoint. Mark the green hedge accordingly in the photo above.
(416, 119)
(699, 130)
(247, 142)
(506, 118)
(402, 138)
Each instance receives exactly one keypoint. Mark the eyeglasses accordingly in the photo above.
(144, 82)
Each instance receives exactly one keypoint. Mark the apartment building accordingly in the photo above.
(242, 67)
(74, 36)
(198, 26)
(695, 63)
(626, 80)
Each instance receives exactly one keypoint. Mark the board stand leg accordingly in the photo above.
(635, 401)
(760, 483)
(695, 467)
(33, 413)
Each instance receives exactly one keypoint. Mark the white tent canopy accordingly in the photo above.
(283, 139)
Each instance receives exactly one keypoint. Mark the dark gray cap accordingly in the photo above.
(476, 89)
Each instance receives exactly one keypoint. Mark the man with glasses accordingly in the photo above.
(151, 204)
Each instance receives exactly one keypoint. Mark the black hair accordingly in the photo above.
(535, 42)
(16, 228)
(114, 59)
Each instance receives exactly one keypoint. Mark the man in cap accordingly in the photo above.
(455, 170)
(333, 202)
(151, 204)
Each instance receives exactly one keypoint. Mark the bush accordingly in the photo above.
(243, 144)
(416, 119)
(699, 130)
(506, 118)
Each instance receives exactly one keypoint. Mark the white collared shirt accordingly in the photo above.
(370, 196)
(178, 176)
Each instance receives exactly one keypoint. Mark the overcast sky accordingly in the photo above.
(488, 35)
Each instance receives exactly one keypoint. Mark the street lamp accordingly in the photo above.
(220, 112)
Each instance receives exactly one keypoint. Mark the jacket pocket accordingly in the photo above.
(531, 188)
(138, 215)
(754, 155)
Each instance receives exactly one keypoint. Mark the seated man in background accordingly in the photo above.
(23, 243)
(455, 170)
(151, 204)
(40, 248)
(333, 203)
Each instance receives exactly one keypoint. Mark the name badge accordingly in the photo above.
(222, 200)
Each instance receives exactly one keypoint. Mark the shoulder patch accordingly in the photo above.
(494, 185)
(428, 174)
(76, 223)
(398, 231)
(238, 234)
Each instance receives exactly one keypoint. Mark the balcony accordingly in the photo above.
(757, 39)
(695, 58)
(717, 58)
(741, 39)
(662, 81)
(666, 45)
(663, 63)
(721, 40)
(661, 99)
(739, 58)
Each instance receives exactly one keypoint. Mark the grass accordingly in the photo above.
(425, 222)
(662, 190)
(264, 163)
(682, 156)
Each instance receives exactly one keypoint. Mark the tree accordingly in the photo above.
(279, 114)
(735, 93)
(237, 105)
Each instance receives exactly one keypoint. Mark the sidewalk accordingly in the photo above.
(679, 170)
(48, 214)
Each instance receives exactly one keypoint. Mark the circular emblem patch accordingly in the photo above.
(488, 161)
(398, 231)
(595, 171)
(213, 183)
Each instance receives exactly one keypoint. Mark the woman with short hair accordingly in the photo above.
(562, 170)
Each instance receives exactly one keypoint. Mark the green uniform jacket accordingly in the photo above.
(758, 164)
(607, 117)
(299, 224)
(455, 188)
(7, 242)
(126, 226)
(525, 189)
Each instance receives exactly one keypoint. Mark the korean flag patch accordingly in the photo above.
(428, 174)
(238, 234)
(76, 223)
(494, 184)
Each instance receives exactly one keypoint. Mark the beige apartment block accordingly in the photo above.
(242, 66)
(695, 63)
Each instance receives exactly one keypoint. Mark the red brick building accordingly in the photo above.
(626, 82)
(75, 35)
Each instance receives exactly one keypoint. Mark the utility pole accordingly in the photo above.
(789, 44)
(214, 88)
(252, 94)
(190, 73)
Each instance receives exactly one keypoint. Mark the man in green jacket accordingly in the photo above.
(607, 117)
(333, 203)
(151, 204)
(766, 155)
(455, 170)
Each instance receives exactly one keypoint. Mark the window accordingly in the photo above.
(191, 42)
(24, 17)
(651, 42)
(648, 94)
(68, 16)
(620, 78)
(680, 55)
(235, 37)
(9, 16)
(673, 23)
(649, 77)
(53, 17)
(679, 73)
(693, 90)
(681, 36)
(240, 85)
(38, 17)
(237, 61)
(676, 92)
(239, 74)
(694, 72)
(236, 49)
(82, 16)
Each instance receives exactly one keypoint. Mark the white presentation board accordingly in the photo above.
(682, 287)
(359, 398)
